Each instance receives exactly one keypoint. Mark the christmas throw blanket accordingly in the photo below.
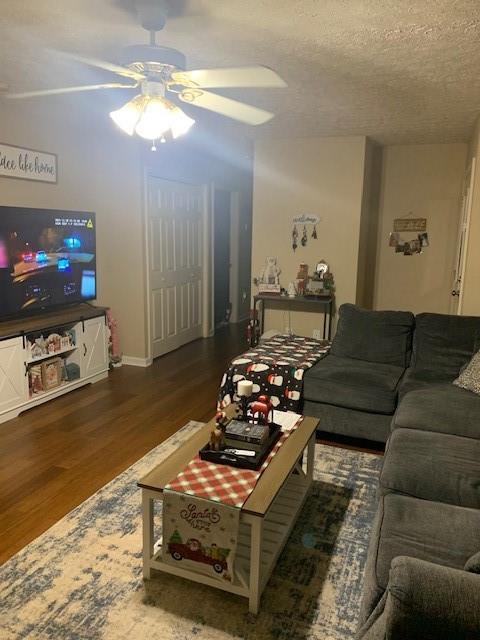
(201, 510)
(276, 367)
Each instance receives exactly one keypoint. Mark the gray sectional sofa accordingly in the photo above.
(422, 577)
(377, 357)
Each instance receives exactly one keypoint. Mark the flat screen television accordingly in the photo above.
(47, 259)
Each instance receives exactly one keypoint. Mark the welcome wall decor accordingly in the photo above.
(27, 164)
(304, 219)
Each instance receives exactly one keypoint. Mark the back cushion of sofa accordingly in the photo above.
(443, 342)
(375, 336)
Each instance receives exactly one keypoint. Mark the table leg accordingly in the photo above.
(330, 321)
(324, 324)
(147, 515)
(255, 564)
(263, 318)
(310, 458)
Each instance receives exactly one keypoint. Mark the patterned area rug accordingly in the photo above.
(82, 579)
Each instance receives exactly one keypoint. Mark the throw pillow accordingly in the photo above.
(473, 563)
(470, 377)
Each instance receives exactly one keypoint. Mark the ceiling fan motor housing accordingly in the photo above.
(152, 59)
(153, 14)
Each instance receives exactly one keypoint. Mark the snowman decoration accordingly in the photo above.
(269, 281)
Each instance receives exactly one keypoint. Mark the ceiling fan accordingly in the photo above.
(160, 72)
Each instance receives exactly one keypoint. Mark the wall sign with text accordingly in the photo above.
(27, 164)
(306, 218)
(410, 224)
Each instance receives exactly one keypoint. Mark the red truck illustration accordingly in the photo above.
(193, 550)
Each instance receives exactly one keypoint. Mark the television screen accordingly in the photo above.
(47, 258)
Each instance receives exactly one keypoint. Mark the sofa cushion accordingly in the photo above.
(433, 466)
(469, 377)
(353, 384)
(473, 563)
(375, 336)
(349, 422)
(415, 379)
(406, 526)
(444, 342)
(441, 408)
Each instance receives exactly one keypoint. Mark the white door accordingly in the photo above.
(95, 348)
(13, 381)
(462, 242)
(174, 230)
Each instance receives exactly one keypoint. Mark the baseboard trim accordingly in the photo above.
(137, 362)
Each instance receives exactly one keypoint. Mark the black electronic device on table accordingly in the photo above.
(233, 454)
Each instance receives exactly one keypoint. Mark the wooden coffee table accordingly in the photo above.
(266, 518)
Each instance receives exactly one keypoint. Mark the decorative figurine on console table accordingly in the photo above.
(269, 281)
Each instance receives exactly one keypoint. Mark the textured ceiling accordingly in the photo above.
(396, 70)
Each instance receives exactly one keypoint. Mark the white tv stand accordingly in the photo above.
(90, 354)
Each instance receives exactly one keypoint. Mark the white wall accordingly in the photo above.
(322, 176)
(425, 180)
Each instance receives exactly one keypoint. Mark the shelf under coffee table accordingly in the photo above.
(266, 518)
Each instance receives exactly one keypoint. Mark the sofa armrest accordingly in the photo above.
(427, 601)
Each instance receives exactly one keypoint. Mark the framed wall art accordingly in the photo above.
(27, 164)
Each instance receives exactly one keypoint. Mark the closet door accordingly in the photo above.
(174, 228)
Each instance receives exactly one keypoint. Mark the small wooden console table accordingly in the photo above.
(322, 305)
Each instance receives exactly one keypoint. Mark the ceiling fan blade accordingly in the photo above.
(103, 64)
(52, 92)
(225, 106)
(256, 76)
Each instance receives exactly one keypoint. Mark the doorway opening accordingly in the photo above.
(222, 257)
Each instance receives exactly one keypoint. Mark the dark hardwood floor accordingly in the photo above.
(55, 456)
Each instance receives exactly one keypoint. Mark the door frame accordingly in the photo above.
(207, 265)
(232, 251)
(461, 253)
(235, 231)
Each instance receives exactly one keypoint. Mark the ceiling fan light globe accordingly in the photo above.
(127, 117)
(181, 123)
(155, 120)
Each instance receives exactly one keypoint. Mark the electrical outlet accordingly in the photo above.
(317, 334)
